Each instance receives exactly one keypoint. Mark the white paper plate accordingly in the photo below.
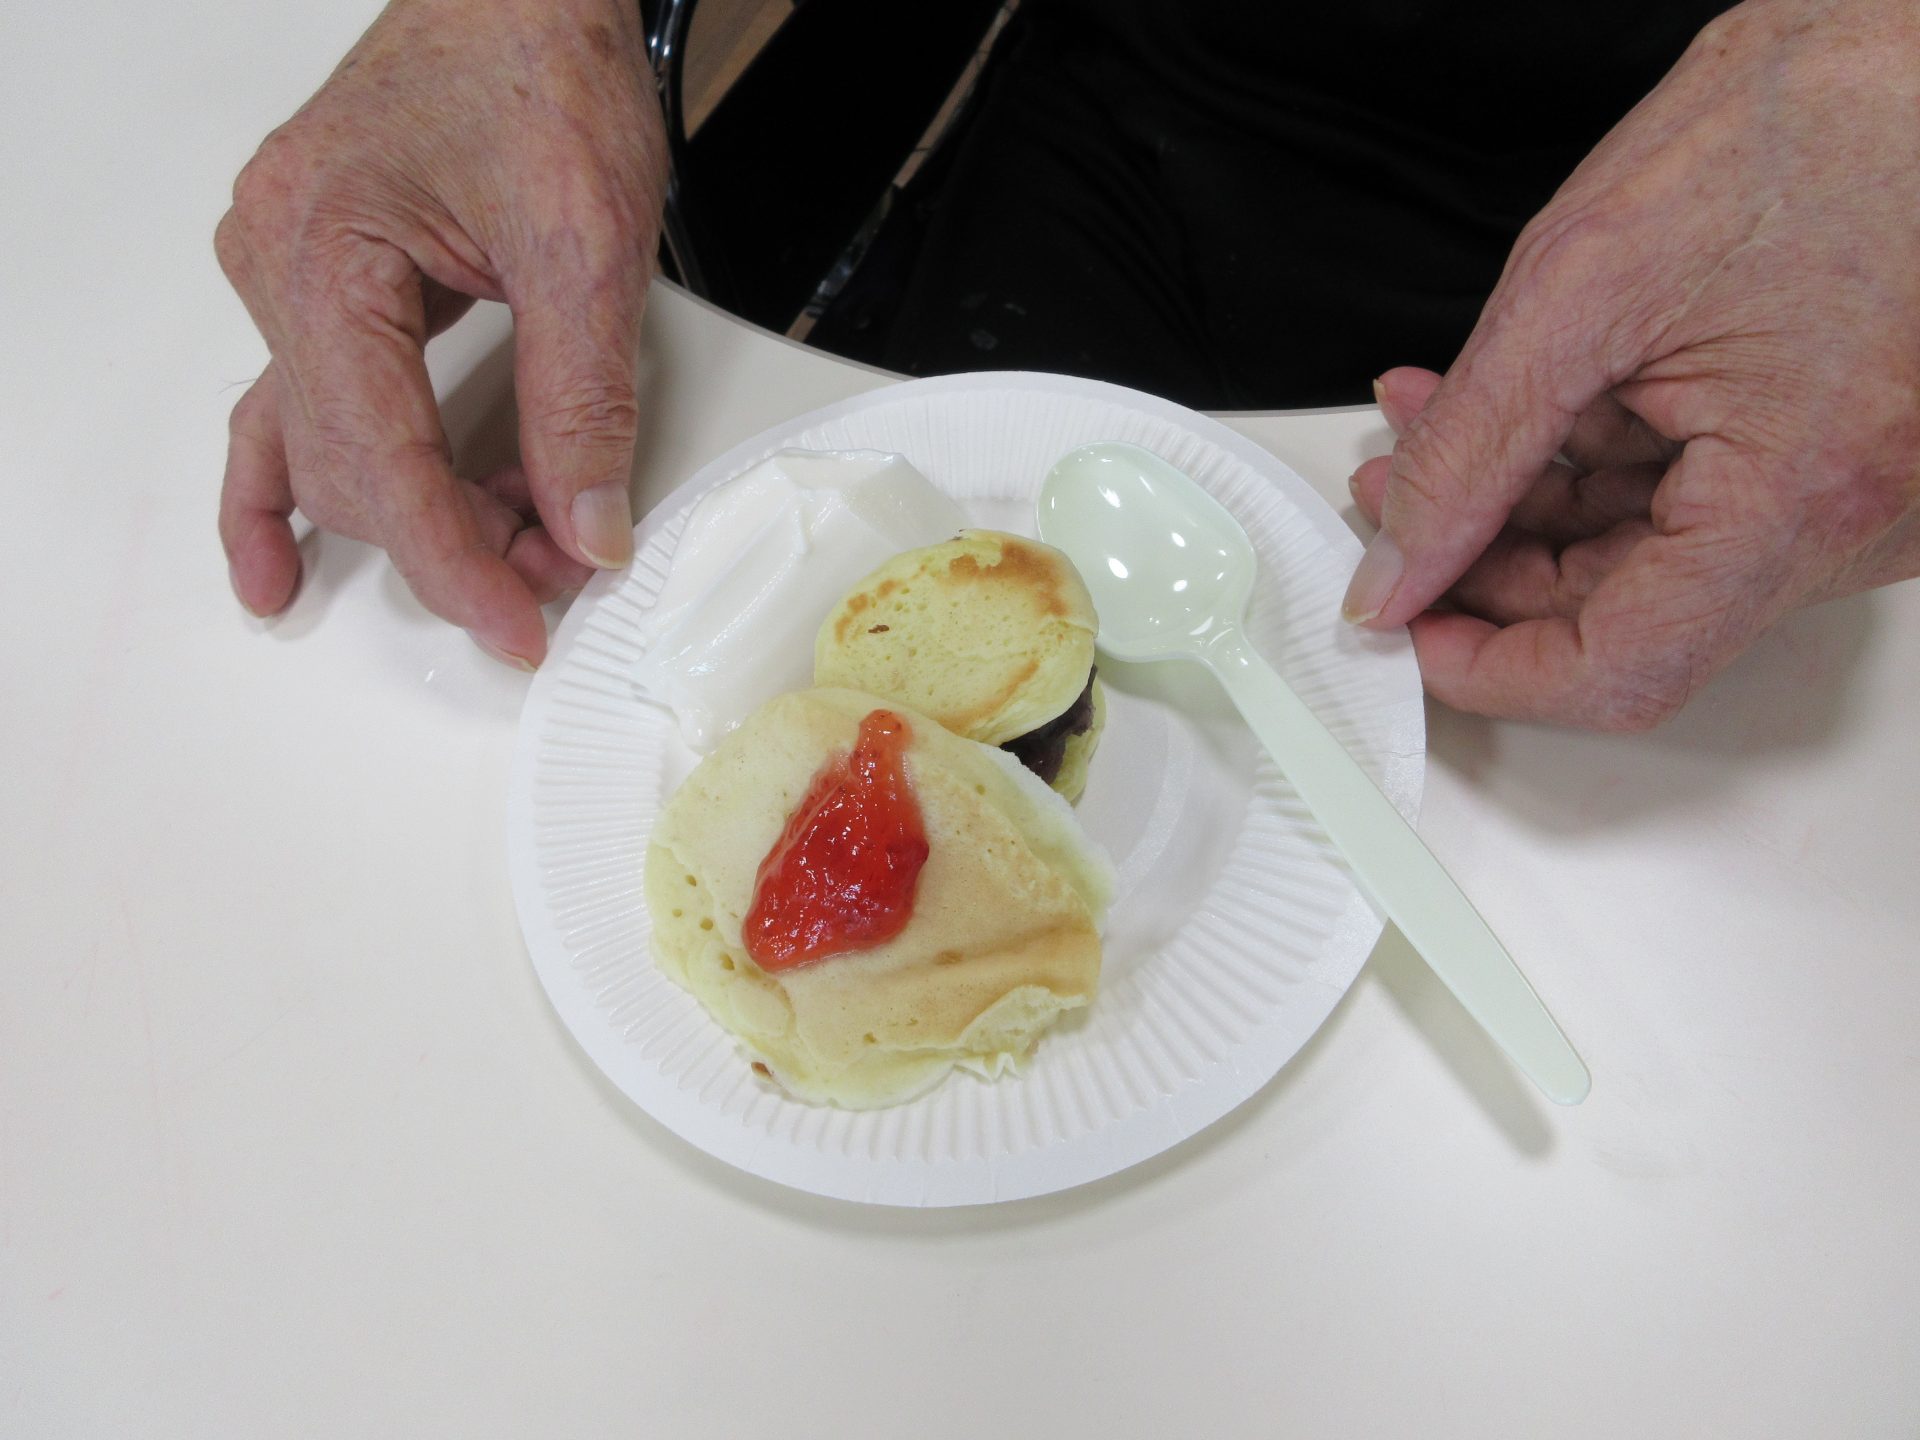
(1238, 926)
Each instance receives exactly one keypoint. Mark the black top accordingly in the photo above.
(1253, 205)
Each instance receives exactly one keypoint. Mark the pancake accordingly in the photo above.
(1070, 780)
(990, 634)
(1003, 937)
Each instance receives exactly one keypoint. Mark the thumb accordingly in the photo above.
(1492, 426)
(574, 357)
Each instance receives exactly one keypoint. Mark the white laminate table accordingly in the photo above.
(291, 1145)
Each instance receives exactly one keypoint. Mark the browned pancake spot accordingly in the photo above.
(855, 604)
(1018, 564)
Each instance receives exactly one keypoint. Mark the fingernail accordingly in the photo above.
(1353, 486)
(505, 657)
(1380, 394)
(603, 525)
(245, 604)
(1374, 580)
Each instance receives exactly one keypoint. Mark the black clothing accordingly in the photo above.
(1248, 205)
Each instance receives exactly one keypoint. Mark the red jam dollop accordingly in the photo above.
(842, 874)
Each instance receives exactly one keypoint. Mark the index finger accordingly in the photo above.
(368, 435)
(1505, 408)
(1648, 636)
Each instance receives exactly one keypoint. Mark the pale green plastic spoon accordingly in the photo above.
(1171, 572)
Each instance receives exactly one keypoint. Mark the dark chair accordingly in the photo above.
(771, 203)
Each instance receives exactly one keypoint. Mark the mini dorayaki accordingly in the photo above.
(990, 634)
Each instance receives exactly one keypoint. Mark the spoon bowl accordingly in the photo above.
(1174, 568)
(1171, 572)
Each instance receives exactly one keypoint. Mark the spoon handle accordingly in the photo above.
(1396, 868)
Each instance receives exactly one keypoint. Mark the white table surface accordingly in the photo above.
(290, 1143)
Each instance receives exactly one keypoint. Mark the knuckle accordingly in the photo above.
(1635, 708)
(361, 284)
(341, 427)
(442, 551)
(265, 182)
(331, 509)
(1586, 291)
(1583, 284)
(266, 204)
(244, 418)
(601, 247)
(229, 248)
(363, 441)
(1567, 586)
(1633, 697)
(604, 198)
(1721, 33)
(1430, 470)
(601, 218)
(1564, 240)
(1643, 671)
(604, 414)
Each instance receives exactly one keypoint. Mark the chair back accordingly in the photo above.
(799, 154)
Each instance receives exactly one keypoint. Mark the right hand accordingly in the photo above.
(493, 149)
(1692, 402)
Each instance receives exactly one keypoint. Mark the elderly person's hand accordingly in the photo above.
(1693, 401)
(499, 149)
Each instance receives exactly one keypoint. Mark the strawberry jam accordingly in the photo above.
(842, 874)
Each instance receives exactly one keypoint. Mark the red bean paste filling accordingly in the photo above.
(1043, 751)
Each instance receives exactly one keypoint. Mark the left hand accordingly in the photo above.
(1691, 404)
(499, 149)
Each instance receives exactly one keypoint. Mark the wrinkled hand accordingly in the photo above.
(494, 149)
(1693, 400)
